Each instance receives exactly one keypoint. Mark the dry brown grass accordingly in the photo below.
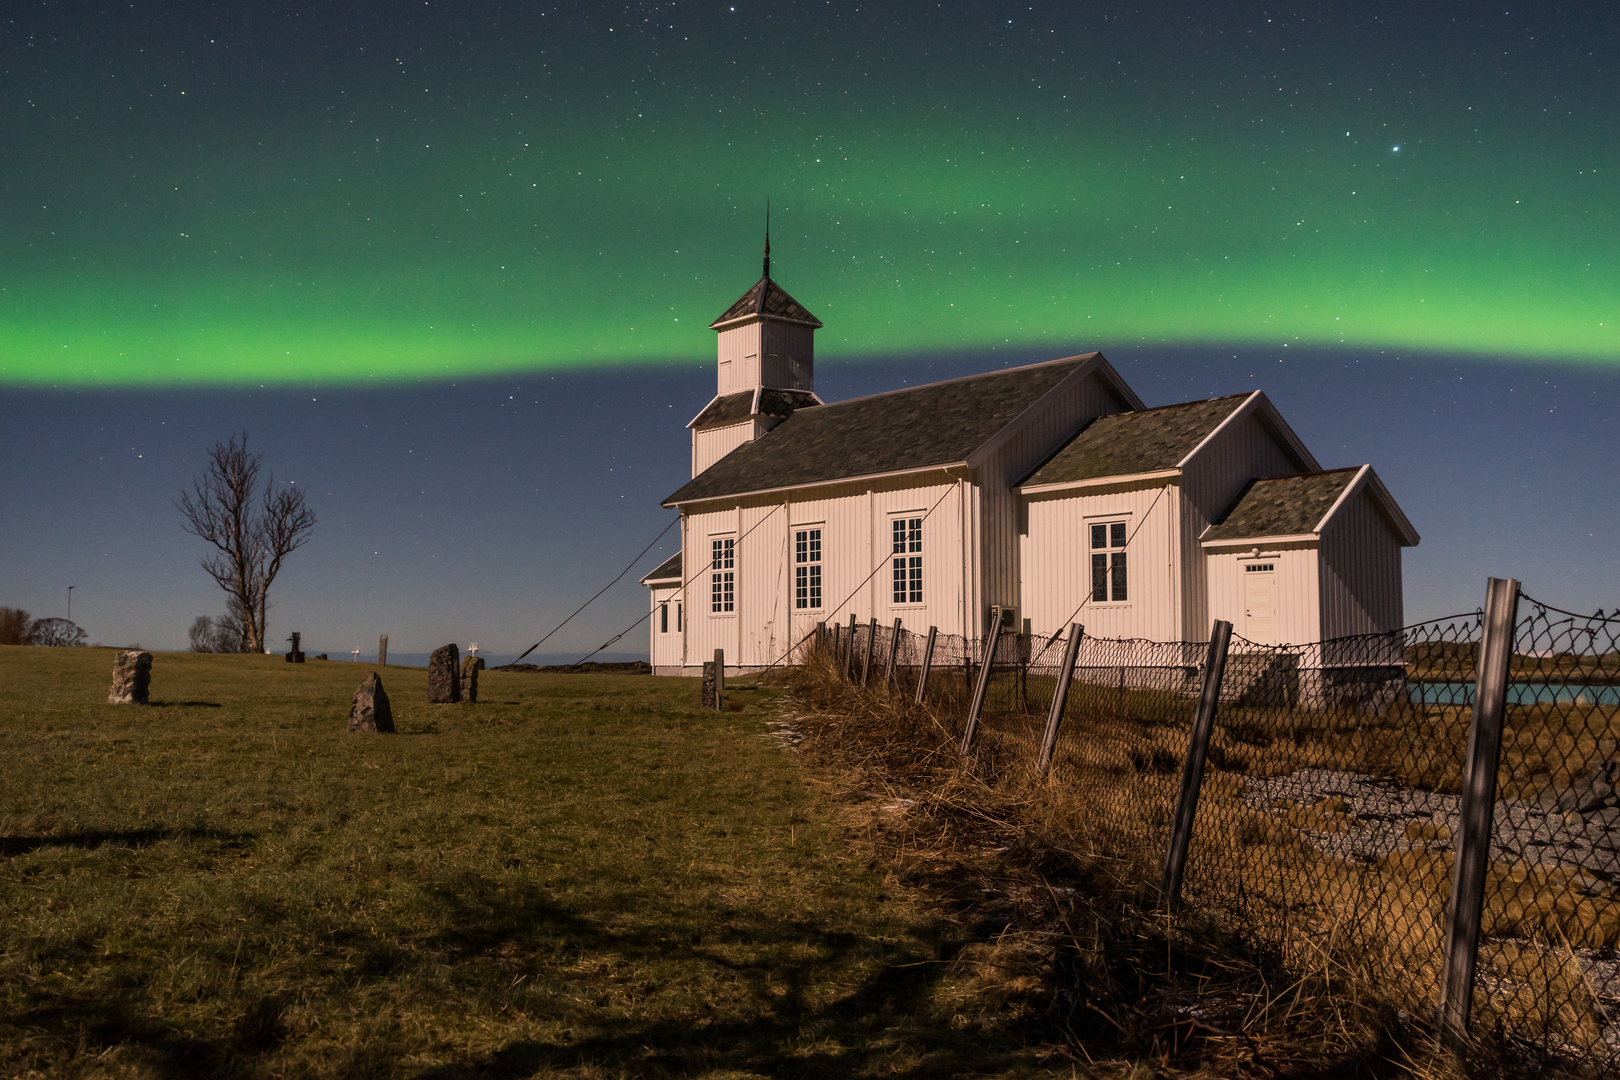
(1336, 969)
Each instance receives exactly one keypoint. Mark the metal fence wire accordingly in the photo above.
(1327, 820)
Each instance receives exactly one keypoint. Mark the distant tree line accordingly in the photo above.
(17, 627)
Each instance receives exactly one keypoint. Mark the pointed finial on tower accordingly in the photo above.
(767, 236)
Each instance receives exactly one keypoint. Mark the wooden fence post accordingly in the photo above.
(1478, 807)
(1060, 699)
(849, 650)
(927, 662)
(991, 640)
(719, 678)
(871, 649)
(1192, 770)
(894, 653)
(382, 651)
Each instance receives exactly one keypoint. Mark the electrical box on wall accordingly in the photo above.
(1007, 615)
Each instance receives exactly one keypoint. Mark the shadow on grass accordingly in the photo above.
(887, 1021)
(130, 838)
(184, 705)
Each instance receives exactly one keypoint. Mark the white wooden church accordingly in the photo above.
(1050, 490)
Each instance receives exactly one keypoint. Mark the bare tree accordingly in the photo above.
(58, 632)
(16, 627)
(218, 635)
(252, 528)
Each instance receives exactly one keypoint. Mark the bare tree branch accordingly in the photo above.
(252, 531)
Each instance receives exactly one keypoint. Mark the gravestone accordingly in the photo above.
(132, 678)
(295, 655)
(469, 678)
(370, 711)
(444, 681)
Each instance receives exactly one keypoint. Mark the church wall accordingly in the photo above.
(712, 444)
(855, 522)
(788, 356)
(1297, 617)
(739, 358)
(1361, 571)
(665, 629)
(1055, 420)
(1057, 560)
(1242, 451)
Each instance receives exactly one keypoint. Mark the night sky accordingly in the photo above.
(452, 267)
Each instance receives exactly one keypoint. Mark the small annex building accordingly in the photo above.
(1050, 491)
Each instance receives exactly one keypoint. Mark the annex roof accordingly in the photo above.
(668, 570)
(1276, 506)
(760, 401)
(766, 298)
(934, 425)
(1150, 440)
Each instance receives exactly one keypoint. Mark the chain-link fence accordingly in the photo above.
(1329, 808)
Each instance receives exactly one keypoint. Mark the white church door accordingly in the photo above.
(1260, 603)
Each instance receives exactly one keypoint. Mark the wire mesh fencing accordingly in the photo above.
(1328, 813)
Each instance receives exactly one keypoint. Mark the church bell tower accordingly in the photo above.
(766, 369)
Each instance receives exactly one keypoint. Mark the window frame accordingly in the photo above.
(723, 575)
(907, 553)
(1108, 562)
(809, 566)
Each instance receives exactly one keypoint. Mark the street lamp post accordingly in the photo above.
(70, 602)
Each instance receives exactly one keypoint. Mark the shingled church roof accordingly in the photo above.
(939, 424)
(769, 299)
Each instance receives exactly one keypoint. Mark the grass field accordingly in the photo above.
(578, 875)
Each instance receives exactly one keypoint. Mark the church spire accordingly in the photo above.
(767, 237)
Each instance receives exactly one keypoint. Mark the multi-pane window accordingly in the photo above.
(1108, 561)
(907, 561)
(723, 575)
(807, 568)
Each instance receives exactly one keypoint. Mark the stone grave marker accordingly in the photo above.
(132, 678)
(371, 711)
(444, 680)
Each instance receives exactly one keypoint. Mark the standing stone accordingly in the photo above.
(711, 687)
(469, 678)
(132, 678)
(371, 711)
(444, 681)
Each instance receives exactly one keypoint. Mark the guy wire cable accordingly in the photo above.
(684, 584)
(599, 592)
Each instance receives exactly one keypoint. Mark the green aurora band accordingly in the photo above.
(461, 242)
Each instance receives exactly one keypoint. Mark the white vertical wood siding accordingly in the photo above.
(1297, 613)
(712, 444)
(856, 540)
(665, 652)
(1241, 452)
(1057, 561)
(1361, 571)
(787, 356)
(1051, 424)
(738, 358)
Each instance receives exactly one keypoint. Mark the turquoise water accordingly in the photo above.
(1462, 693)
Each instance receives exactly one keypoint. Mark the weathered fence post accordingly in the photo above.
(991, 640)
(1478, 807)
(719, 677)
(1060, 698)
(1192, 771)
(382, 651)
(927, 662)
(849, 651)
(894, 653)
(871, 648)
